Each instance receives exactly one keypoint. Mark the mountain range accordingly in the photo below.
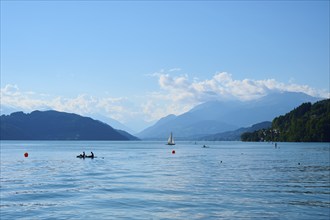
(54, 125)
(236, 134)
(214, 120)
(220, 116)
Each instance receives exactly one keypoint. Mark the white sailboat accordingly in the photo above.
(170, 140)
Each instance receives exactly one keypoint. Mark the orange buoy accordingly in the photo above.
(173, 151)
(26, 154)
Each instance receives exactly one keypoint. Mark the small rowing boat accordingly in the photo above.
(81, 156)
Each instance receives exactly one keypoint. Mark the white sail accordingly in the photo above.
(170, 140)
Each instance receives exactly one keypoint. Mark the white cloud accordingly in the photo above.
(10, 90)
(13, 97)
(83, 104)
(222, 86)
(178, 94)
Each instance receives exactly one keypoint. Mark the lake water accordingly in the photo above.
(144, 180)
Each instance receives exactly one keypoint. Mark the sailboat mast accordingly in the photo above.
(170, 140)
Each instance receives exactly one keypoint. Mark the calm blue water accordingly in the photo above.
(144, 180)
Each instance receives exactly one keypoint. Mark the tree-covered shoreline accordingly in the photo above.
(306, 123)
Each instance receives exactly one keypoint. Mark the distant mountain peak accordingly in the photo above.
(225, 115)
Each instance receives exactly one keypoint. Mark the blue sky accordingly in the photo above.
(137, 61)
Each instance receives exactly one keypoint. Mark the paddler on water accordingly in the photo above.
(83, 155)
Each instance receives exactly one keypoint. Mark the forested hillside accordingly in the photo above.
(306, 123)
(53, 125)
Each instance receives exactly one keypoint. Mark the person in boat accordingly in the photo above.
(83, 154)
(92, 155)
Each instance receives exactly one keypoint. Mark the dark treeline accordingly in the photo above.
(306, 123)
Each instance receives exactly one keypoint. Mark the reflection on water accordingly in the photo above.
(143, 180)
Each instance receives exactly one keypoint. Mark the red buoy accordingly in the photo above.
(26, 154)
(173, 151)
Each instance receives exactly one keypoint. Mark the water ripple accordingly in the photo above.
(143, 180)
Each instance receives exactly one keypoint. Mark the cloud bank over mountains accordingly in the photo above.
(182, 94)
(176, 95)
(223, 86)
